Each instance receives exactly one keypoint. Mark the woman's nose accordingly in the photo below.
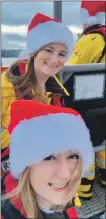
(54, 59)
(63, 171)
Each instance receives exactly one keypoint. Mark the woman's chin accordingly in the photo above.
(51, 73)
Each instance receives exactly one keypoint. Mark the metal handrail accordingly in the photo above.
(69, 70)
(83, 67)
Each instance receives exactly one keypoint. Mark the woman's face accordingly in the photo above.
(50, 60)
(51, 177)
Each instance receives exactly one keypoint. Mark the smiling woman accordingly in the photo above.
(62, 174)
(49, 45)
(46, 160)
(50, 60)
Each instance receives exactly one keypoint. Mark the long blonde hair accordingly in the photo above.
(25, 192)
(24, 84)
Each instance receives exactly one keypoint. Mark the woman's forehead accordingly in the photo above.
(57, 45)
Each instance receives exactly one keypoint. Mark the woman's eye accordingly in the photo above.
(48, 50)
(74, 156)
(61, 54)
(50, 158)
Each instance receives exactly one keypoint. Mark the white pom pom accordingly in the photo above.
(101, 17)
(92, 20)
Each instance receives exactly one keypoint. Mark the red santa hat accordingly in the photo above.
(39, 130)
(93, 12)
(44, 30)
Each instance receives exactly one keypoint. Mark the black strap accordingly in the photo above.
(91, 28)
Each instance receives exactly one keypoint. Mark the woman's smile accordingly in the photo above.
(50, 65)
(59, 187)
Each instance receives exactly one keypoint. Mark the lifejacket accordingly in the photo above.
(100, 29)
(13, 208)
(5, 160)
(53, 85)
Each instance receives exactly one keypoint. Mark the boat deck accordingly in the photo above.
(94, 208)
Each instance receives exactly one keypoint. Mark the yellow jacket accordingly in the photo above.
(7, 97)
(88, 49)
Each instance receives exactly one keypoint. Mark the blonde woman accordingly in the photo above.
(49, 45)
(46, 161)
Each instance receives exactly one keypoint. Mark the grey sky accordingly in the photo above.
(17, 14)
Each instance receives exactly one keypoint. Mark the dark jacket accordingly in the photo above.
(13, 208)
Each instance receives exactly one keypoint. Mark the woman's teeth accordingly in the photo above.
(51, 66)
(59, 186)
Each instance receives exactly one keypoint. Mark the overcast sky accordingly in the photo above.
(17, 15)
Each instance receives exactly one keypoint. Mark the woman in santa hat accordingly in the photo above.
(91, 48)
(49, 45)
(45, 171)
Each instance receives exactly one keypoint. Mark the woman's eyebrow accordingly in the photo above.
(63, 52)
(51, 47)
